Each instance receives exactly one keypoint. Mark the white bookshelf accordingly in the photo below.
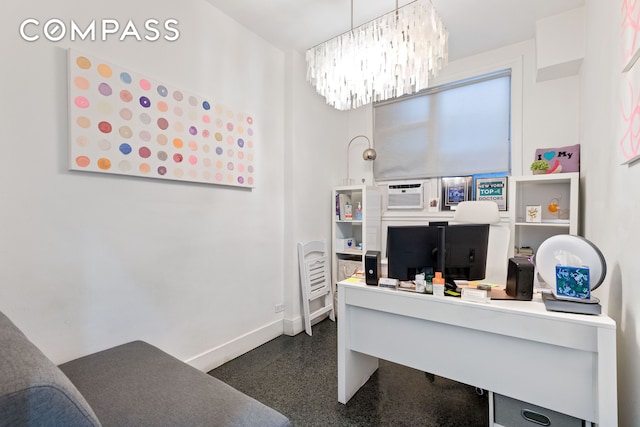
(365, 231)
(531, 190)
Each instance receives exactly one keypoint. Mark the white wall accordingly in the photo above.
(88, 261)
(611, 195)
(316, 140)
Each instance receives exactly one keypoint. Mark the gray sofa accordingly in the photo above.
(134, 384)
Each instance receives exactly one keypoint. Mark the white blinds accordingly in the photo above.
(453, 130)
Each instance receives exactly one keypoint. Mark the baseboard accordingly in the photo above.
(293, 326)
(217, 356)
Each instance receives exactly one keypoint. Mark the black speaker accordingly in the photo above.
(372, 267)
(520, 279)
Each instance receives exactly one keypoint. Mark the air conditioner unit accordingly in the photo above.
(406, 195)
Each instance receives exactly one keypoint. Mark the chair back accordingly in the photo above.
(477, 212)
(315, 282)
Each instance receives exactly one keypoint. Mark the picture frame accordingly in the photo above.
(493, 189)
(161, 132)
(533, 213)
(434, 205)
(455, 189)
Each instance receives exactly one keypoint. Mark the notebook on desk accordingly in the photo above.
(498, 292)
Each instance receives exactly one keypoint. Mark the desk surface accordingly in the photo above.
(535, 307)
(561, 361)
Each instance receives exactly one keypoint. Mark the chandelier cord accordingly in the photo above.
(351, 15)
(397, 9)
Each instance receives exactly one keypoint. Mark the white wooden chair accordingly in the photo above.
(315, 281)
(486, 212)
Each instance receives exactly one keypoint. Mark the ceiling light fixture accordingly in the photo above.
(388, 57)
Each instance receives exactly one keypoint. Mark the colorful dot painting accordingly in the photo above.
(124, 123)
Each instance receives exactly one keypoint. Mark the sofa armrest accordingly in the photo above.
(33, 390)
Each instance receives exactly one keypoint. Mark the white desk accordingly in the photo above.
(560, 361)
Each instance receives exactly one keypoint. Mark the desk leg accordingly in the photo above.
(491, 410)
(607, 397)
(354, 369)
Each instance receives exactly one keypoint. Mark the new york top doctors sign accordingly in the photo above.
(494, 189)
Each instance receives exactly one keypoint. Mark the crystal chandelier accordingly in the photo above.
(391, 56)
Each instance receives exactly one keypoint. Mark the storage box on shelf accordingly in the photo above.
(354, 232)
(557, 196)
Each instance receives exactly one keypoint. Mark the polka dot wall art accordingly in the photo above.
(124, 123)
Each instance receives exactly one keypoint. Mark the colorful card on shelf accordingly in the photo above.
(573, 282)
(534, 213)
(348, 211)
(560, 159)
(341, 206)
(345, 244)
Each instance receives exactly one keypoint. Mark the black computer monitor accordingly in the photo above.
(413, 249)
(466, 251)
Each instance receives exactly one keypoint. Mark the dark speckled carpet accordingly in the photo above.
(297, 376)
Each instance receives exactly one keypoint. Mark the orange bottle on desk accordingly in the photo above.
(438, 284)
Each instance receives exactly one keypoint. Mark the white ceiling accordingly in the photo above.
(474, 25)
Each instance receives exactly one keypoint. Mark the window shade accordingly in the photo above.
(453, 130)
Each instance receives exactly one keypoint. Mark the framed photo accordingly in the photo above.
(455, 190)
(533, 213)
(494, 189)
(434, 204)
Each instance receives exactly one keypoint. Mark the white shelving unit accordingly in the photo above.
(365, 231)
(530, 190)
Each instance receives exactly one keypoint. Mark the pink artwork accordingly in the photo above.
(630, 32)
(630, 113)
(629, 141)
(124, 123)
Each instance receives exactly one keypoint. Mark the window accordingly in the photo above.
(457, 129)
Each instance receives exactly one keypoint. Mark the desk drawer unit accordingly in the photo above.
(510, 412)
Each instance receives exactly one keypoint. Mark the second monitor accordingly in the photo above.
(466, 251)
